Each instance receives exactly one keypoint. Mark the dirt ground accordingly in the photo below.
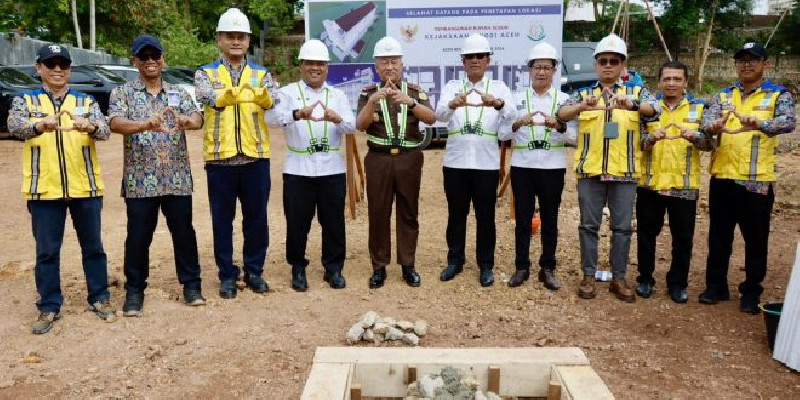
(262, 346)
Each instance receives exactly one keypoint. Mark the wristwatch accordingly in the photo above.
(413, 104)
(294, 115)
(635, 105)
(502, 104)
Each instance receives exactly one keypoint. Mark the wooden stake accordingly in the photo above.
(349, 149)
(360, 170)
(411, 374)
(494, 379)
(503, 147)
(554, 391)
(355, 392)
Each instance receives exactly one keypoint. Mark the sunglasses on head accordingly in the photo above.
(145, 57)
(52, 62)
(480, 56)
(609, 61)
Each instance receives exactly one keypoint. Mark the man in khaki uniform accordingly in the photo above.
(390, 113)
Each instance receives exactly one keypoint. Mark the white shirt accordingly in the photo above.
(539, 158)
(475, 151)
(298, 135)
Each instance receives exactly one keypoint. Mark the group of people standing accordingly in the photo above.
(631, 148)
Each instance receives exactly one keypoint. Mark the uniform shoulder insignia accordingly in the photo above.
(414, 86)
(423, 96)
(367, 89)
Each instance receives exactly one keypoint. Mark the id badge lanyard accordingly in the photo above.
(474, 129)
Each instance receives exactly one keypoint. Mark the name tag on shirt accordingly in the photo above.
(173, 98)
(611, 130)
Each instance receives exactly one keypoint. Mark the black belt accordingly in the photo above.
(390, 150)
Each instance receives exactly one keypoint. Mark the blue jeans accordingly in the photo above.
(47, 219)
(250, 183)
(142, 221)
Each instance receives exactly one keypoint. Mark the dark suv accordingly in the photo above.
(577, 65)
(88, 79)
(11, 83)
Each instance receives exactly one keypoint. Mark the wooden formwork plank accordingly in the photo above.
(494, 379)
(411, 374)
(430, 355)
(328, 381)
(352, 195)
(580, 382)
(554, 390)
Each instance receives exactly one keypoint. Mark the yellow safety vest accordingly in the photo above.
(747, 155)
(596, 155)
(673, 164)
(59, 164)
(238, 129)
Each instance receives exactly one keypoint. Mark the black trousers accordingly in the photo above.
(142, 221)
(650, 209)
(529, 184)
(462, 186)
(302, 197)
(729, 204)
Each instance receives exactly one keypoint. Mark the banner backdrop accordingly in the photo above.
(431, 33)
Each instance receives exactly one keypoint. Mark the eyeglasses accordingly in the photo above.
(145, 57)
(541, 68)
(747, 63)
(480, 56)
(608, 61)
(51, 63)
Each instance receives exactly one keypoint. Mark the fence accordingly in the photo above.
(719, 67)
(15, 49)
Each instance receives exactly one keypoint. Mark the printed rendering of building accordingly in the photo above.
(343, 35)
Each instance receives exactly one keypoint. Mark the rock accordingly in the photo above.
(32, 358)
(428, 384)
(493, 396)
(406, 326)
(368, 335)
(180, 342)
(369, 319)
(388, 321)
(354, 334)
(381, 327)
(421, 328)
(480, 396)
(394, 334)
(410, 339)
(378, 339)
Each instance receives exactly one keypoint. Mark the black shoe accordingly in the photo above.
(749, 304)
(377, 278)
(335, 280)
(299, 281)
(645, 290)
(134, 302)
(256, 283)
(677, 295)
(411, 276)
(709, 297)
(548, 277)
(193, 297)
(487, 277)
(450, 272)
(227, 289)
(519, 277)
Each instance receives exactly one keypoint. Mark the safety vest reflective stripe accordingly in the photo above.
(748, 155)
(59, 164)
(237, 129)
(598, 155)
(673, 164)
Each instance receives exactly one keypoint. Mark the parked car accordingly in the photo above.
(88, 79)
(171, 75)
(577, 65)
(11, 83)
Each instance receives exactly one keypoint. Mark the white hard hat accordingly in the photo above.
(612, 44)
(387, 47)
(314, 50)
(543, 50)
(233, 20)
(475, 44)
